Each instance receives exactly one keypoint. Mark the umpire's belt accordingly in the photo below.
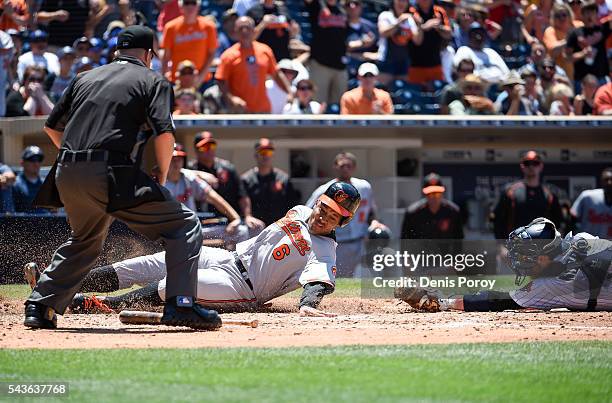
(93, 156)
(243, 271)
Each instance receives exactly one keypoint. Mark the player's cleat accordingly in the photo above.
(195, 316)
(31, 273)
(38, 316)
(88, 304)
(421, 299)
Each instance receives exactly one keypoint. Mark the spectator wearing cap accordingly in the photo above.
(81, 46)
(191, 37)
(15, 15)
(7, 179)
(227, 36)
(366, 99)
(96, 50)
(489, 65)
(112, 30)
(293, 70)
(30, 98)
(269, 188)
(66, 57)
(433, 216)
(228, 183)
(190, 189)
(29, 181)
(350, 237)
(522, 201)
(426, 60)
(452, 91)
(396, 28)
(186, 73)
(587, 45)
(329, 25)
(555, 37)
(64, 21)
(473, 100)
(512, 100)
(6, 53)
(603, 100)
(303, 103)
(38, 55)
(274, 26)
(186, 102)
(362, 33)
(242, 72)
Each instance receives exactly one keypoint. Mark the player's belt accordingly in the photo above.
(66, 156)
(243, 271)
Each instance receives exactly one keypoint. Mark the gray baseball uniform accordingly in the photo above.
(283, 257)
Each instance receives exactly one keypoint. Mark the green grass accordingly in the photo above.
(529, 372)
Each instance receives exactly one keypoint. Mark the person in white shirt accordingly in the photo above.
(303, 103)
(38, 55)
(489, 65)
(351, 237)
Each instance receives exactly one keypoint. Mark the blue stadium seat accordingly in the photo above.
(333, 109)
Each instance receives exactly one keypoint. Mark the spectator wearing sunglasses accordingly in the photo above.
(524, 200)
(303, 103)
(366, 99)
(224, 179)
(30, 99)
(452, 91)
(192, 37)
(269, 188)
(555, 37)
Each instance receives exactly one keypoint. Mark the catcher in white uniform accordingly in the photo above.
(574, 272)
(297, 250)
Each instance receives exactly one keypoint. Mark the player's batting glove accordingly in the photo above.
(418, 298)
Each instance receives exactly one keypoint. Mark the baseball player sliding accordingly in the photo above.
(574, 272)
(297, 250)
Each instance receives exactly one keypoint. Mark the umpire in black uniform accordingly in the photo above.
(101, 124)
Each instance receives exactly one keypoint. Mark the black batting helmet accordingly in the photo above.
(525, 244)
(343, 198)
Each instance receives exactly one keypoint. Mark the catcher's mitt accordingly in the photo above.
(418, 298)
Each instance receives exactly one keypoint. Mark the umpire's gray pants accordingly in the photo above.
(83, 190)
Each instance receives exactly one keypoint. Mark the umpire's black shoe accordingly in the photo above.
(181, 311)
(38, 316)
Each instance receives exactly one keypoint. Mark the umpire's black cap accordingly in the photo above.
(136, 37)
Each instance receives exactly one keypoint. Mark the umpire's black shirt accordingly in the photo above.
(107, 107)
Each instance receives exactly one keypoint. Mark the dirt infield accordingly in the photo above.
(368, 322)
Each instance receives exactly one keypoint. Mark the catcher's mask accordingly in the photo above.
(525, 244)
(343, 198)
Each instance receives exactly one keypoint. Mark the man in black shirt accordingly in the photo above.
(269, 188)
(523, 201)
(432, 217)
(228, 183)
(587, 45)
(274, 26)
(101, 124)
(328, 47)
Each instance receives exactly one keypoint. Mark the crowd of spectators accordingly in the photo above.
(510, 57)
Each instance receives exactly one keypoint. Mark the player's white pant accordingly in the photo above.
(554, 292)
(220, 284)
(218, 232)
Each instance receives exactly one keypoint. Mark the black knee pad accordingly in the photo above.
(489, 301)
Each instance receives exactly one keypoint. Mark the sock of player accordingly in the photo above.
(147, 295)
(101, 279)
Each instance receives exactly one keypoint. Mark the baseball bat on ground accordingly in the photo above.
(154, 318)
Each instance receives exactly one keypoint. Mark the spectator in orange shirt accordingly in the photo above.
(243, 69)
(603, 100)
(192, 37)
(366, 99)
(15, 14)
